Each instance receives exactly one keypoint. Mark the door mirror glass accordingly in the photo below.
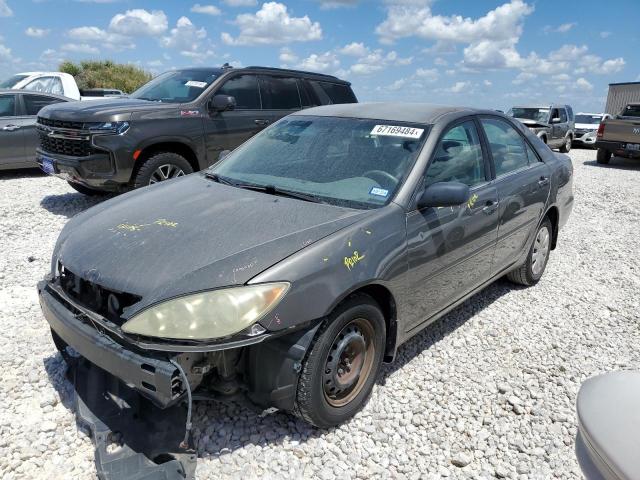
(222, 103)
(444, 194)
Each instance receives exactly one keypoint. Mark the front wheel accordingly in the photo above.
(603, 157)
(160, 167)
(343, 363)
(531, 272)
(566, 146)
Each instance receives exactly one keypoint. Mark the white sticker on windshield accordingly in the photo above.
(397, 131)
(193, 83)
(379, 192)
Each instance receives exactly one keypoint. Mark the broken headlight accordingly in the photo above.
(208, 315)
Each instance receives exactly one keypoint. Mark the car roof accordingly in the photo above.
(33, 92)
(258, 69)
(399, 112)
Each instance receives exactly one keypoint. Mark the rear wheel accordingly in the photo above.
(604, 156)
(343, 363)
(566, 146)
(531, 271)
(160, 167)
(86, 190)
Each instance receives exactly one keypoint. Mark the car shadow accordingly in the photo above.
(619, 163)
(221, 428)
(21, 173)
(70, 204)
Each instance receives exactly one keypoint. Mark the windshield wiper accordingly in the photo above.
(269, 189)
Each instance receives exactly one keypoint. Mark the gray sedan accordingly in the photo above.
(291, 270)
(18, 136)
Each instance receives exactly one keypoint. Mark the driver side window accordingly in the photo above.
(458, 157)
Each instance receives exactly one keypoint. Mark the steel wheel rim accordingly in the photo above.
(540, 251)
(568, 144)
(348, 362)
(165, 172)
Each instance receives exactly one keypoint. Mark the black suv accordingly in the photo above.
(553, 124)
(179, 122)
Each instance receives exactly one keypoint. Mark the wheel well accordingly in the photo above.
(172, 147)
(385, 300)
(554, 217)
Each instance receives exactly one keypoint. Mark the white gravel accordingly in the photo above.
(487, 392)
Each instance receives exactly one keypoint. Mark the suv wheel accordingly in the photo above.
(160, 167)
(566, 146)
(342, 365)
(531, 272)
(86, 190)
(603, 157)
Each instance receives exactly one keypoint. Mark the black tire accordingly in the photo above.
(320, 371)
(566, 146)
(86, 190)
(145, 174)
(527, 274)
(603, 157)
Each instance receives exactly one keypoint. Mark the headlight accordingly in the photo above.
(107, 127)
(208, 315)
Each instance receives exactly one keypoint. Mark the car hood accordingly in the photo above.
(190, 234)
(586, 126)
(111, 110)
(532, 123)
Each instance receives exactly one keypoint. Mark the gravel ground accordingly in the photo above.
(488, 391)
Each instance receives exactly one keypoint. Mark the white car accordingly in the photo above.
(586, 128)
(57, 83)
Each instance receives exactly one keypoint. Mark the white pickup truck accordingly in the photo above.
(58, 83)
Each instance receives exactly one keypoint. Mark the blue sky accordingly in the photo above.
(483, 53)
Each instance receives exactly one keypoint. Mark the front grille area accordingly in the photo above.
(60, 123)
(65, 146)
(104, 302)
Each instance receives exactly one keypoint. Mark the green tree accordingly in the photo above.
(106, 74)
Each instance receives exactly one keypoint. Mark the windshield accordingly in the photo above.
(590, 119)
(180, 86)
(536, 114)
(12, 81)
(344, 161)
(631, 111)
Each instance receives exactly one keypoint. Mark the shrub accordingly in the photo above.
(106, 74)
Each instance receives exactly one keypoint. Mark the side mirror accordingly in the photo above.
(222, 103)
(223, 154)
(555, 120)
(444, 194)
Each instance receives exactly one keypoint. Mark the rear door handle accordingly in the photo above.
(543, 181)
(261, 121)
(10, 128)
(490, 207)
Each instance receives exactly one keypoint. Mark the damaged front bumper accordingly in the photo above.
(153, 376)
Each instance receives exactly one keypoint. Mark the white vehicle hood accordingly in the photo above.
(586, 126)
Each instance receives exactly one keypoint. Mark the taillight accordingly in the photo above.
(601, 130)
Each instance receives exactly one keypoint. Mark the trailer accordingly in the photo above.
(620, 95)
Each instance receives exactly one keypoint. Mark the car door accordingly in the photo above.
(563, 126)
(11, 134)
(280, 96)
(450, 250)
(522, 181)
(227, 130)
(32, 104)
(556, 129)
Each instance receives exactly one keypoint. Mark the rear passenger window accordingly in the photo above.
(329, 93)
(563, 115)
(458, 157)
(305, 97)
(506, 145)
(279, 93)
(7, 105)
(321, 95)
(244, 88)
(34, 103)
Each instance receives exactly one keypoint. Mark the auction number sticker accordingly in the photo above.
(193, 83)
(397, 131)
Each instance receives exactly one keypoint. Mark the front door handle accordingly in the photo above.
(490, 207)
(543, 181)
(261, 121)
(10, 128)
